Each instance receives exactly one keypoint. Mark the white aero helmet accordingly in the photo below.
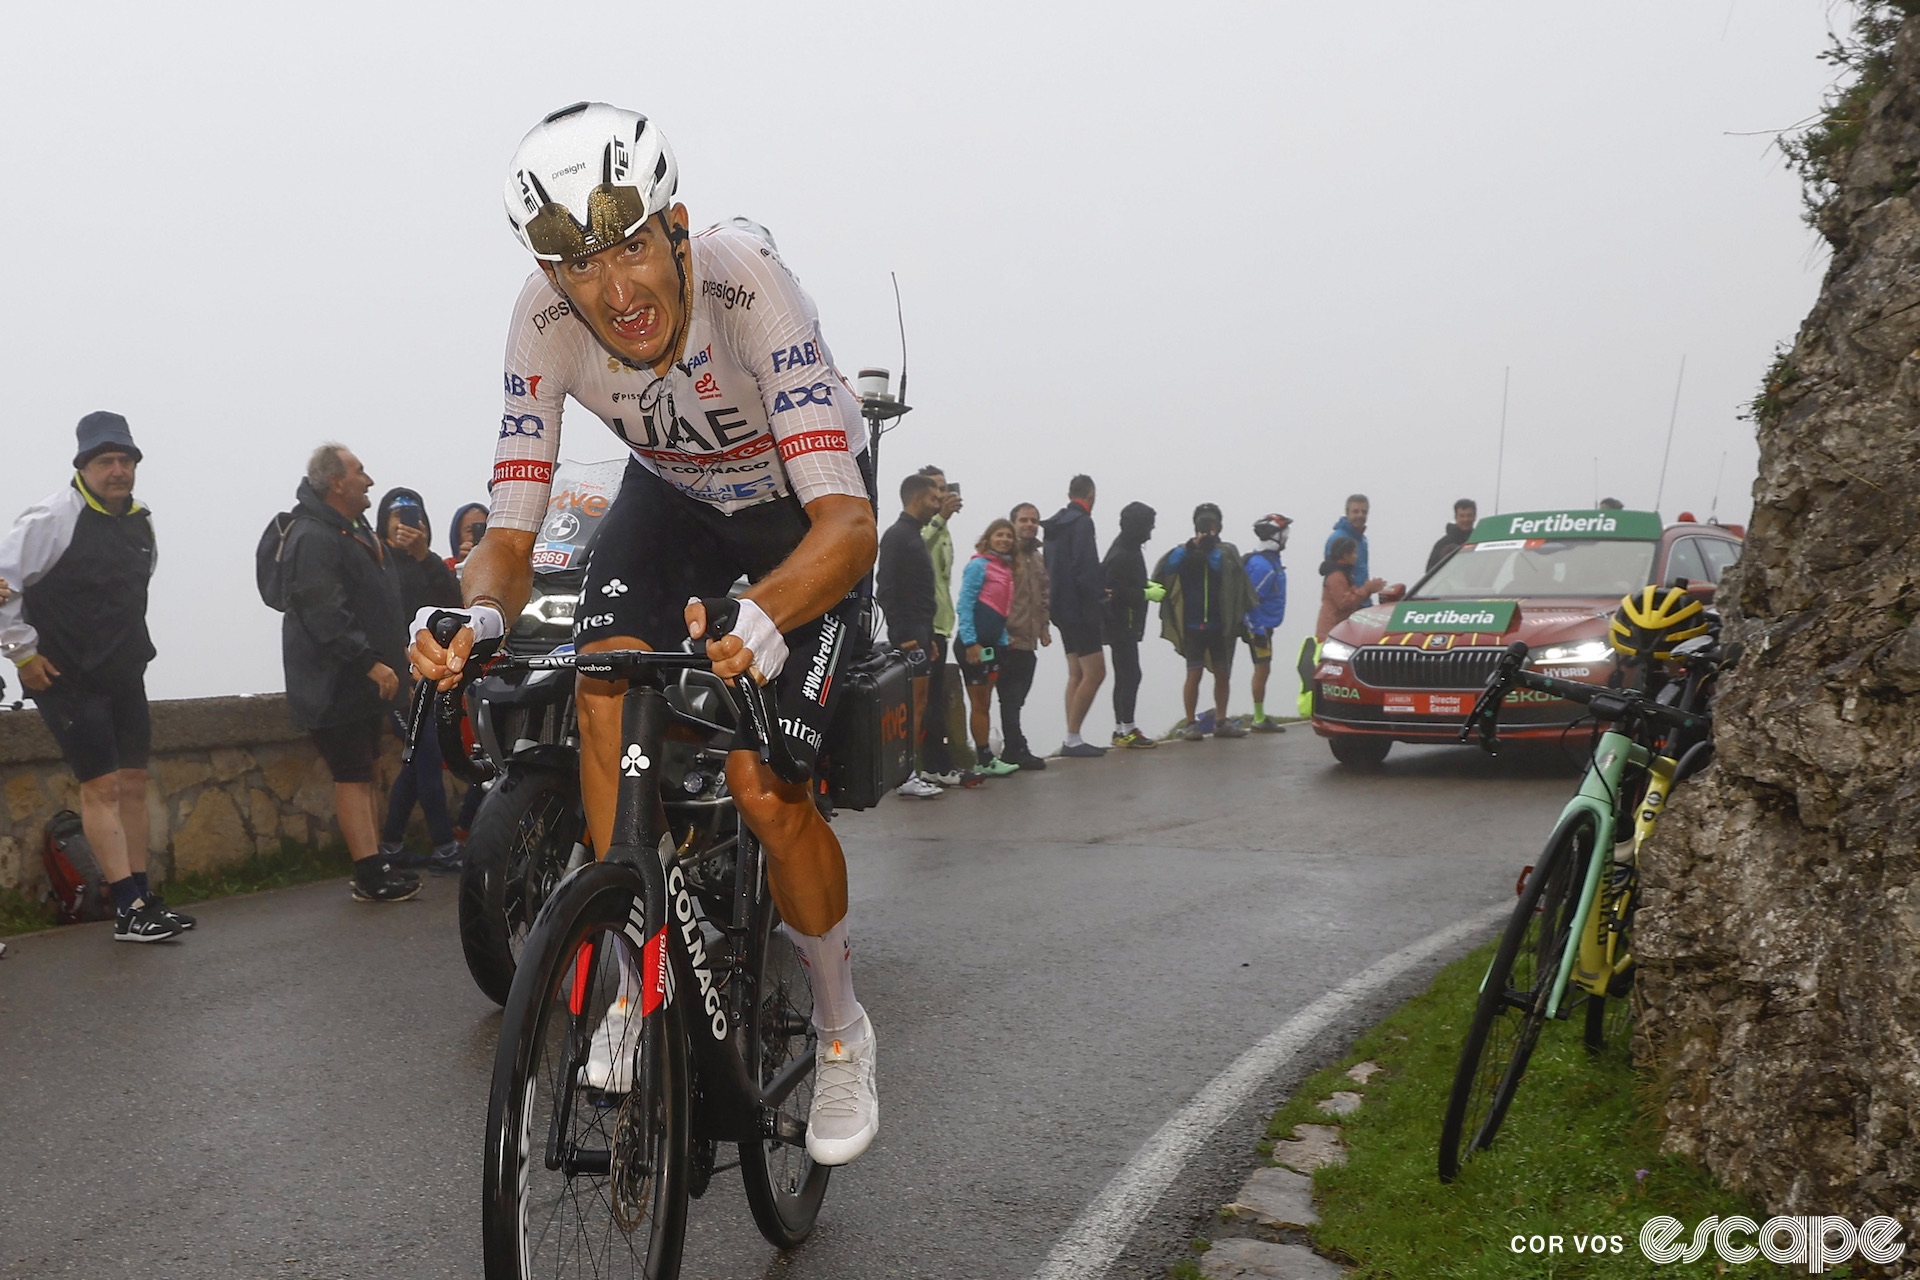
(585, 178)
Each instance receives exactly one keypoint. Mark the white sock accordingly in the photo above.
(829, 961)
(1073, 739)
(632, 980)
(1128, 727)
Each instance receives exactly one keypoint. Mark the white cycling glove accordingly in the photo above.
(485, 620)
(762, 639)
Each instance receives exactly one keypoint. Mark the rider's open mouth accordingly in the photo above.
(637, 325)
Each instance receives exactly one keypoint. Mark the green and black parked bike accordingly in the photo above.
(1569, 943)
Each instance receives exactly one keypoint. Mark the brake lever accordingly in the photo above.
(722, 613)
(444, 629)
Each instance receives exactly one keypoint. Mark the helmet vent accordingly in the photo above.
(564, 112)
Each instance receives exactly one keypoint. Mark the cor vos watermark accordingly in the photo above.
(1816, 1242)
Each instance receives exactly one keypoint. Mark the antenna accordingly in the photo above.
(1718, 476)
(1500, 466)
(1672, 418)
(1596, 481)
(900, 313)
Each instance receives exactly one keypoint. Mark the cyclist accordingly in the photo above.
(704, 355)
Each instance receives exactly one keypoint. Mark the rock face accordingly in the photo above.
(1780, 940)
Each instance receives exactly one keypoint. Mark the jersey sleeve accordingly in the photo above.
(775, 336)
(541, 351)
(32, 547)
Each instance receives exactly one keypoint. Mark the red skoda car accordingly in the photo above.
(1410, 671)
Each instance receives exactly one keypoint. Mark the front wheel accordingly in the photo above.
(784, 1185)
(521, 845)
(582, 1181)
(1513, 999)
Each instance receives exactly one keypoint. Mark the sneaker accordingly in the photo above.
(385, 884)
(951, 778)
(1204, 722)
(1193, 733)
(398, 856)
(1082, 751)
(920, 788)
(1133, 739)
(180, 918)
(1025, 758)
(610, 1053)
(448, 859)
(973, 778)
(145, 922)
(1267, 724)
(1230, 729)
(998, 768)
(846, 1106)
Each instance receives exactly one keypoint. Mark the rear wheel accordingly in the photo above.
(1360, 751)
(784, 1185)
(1513, 1000)
(522, 841)
(580, 1182)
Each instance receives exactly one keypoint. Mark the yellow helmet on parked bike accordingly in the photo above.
(1648, 624)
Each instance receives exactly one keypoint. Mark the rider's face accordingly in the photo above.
(631, 294)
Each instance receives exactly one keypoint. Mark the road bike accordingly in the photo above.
(581, 1180)
(1586, 881)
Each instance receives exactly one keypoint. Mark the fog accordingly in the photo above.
(1264, 255)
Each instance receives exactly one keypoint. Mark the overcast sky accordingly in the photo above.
(1261, 254)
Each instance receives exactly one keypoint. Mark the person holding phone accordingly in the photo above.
(425, 582)
(980, 616)
(469, 526)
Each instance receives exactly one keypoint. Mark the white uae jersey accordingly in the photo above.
(753, 411)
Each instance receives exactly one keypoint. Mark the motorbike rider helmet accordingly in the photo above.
(1271, 527)
(586, 178)
(1649, 623)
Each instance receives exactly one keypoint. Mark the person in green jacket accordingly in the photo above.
(1205, 616)
(947, 723)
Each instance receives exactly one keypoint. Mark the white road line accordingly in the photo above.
(1103, 1228)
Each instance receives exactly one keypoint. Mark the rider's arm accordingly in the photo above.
(833, 556)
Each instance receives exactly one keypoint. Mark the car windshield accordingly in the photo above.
(1540, 568)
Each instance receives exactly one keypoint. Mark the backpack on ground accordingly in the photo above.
(79, 887)
(267, 558)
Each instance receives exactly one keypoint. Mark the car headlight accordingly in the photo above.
(1336, 650)
(1584, 651)
(555, 608)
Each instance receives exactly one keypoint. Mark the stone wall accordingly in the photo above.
(229, 780)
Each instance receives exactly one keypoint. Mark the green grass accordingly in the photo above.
(293, 864)
(1579, 1154)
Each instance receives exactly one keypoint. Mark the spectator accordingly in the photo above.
(1128, 592)
(1612, 504)
(1027, 626)
(1465, 512)
(1204, 615)
(342, 642)
(469, 526)
(941, 761)
(425, 581)
(1077, 595)
(1353, 525)
(1342, 594)
(76, 627)
(905, 591)
(986, 594)
(1267, 578)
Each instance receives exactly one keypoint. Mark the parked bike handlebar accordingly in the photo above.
(1606, 704)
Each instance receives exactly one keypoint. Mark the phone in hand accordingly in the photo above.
(410, 515)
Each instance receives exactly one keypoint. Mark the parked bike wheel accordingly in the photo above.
(517, 854)
(578, 1182)
(1513, 1001)
(784, 1186)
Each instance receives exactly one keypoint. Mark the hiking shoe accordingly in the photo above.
(1267, 724)
(145, 922)
(846, 1106)
(996, 768)
(1133, 739)
(951, 778)
(1082, 751)
(610, 1053)
(1025, 759)
(448, 859)
(1193, 733)
(919, 788)
(180, 918)
(1230, 729)
(384, 884)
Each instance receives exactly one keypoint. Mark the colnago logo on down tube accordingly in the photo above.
(696, 944)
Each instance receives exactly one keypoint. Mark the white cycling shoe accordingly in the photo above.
(846, 1107)
(610, 1054)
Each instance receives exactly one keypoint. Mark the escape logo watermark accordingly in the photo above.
(1817, 1242)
